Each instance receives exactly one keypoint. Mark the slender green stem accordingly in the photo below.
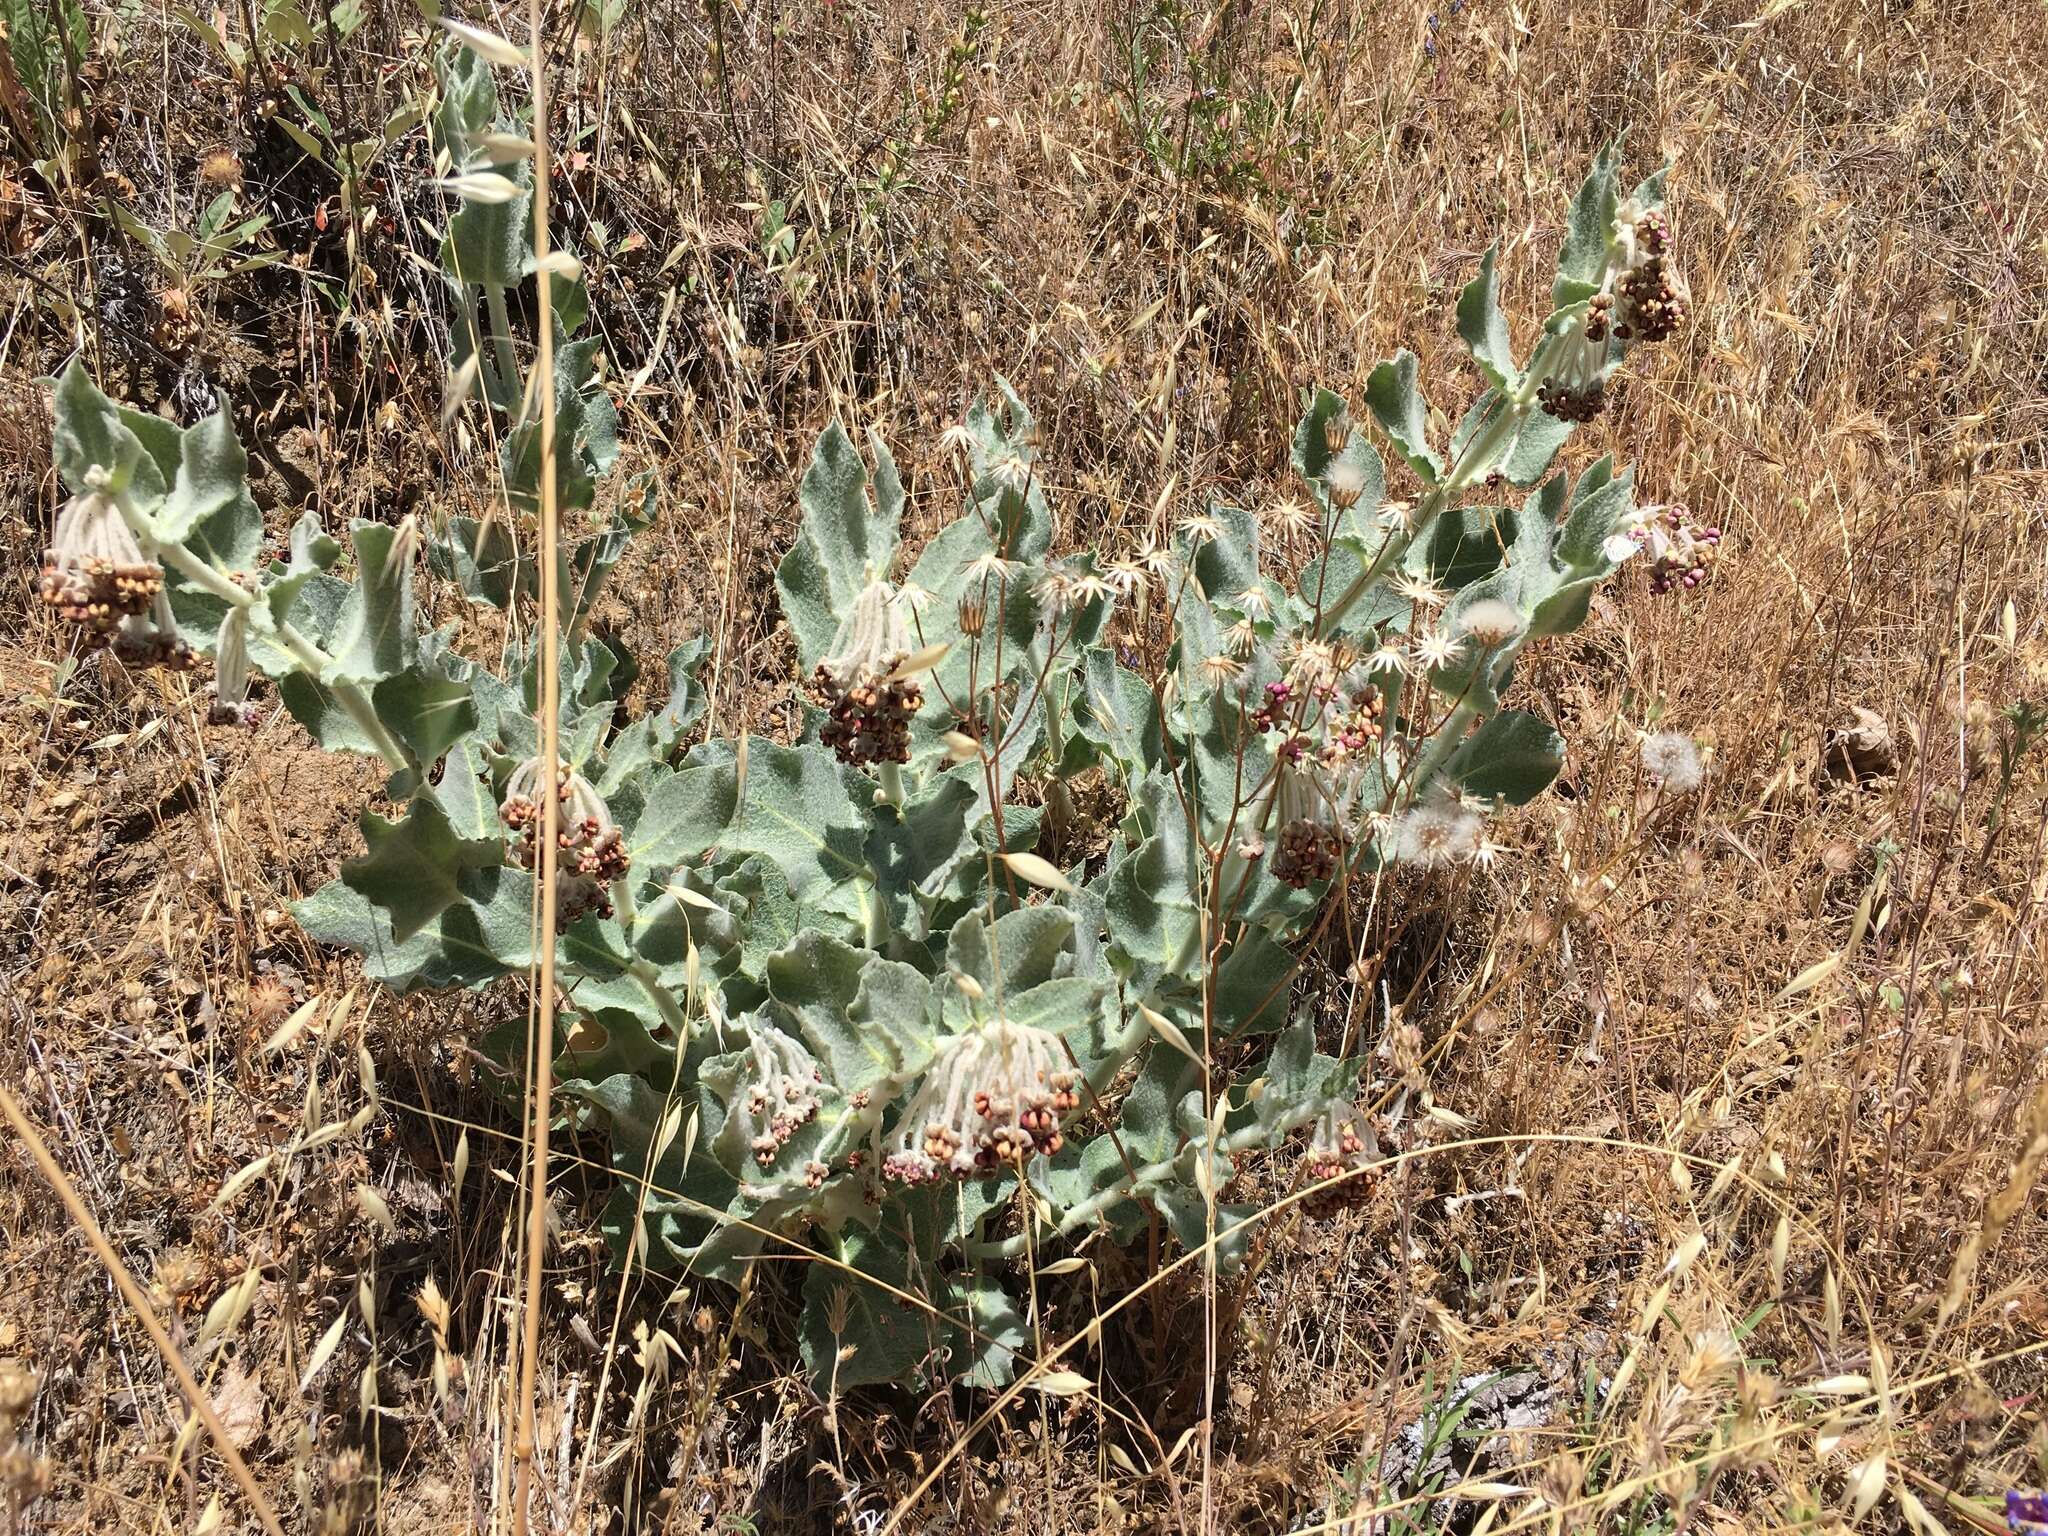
(350, 696)
(501, 333)
(892, 784)
(1480, 455)
(665, 1004)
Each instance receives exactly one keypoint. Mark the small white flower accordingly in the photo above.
(1419, 590)
(1397, 516)
(1012, 470)
(1125, 574)
(1253, 603)
(1293, 516)
(1220, 669)
(1671, 759)
(1242, 637)
(992, 567)
(1389, 659)
(1438, 648)
(1055, 589)
(1159, 559)
(1201, 527)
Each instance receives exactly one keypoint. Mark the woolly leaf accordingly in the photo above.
(1484, 327)
(1397, 404)
(413, 868)
(1514, 756)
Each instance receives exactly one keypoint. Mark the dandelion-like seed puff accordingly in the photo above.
(1439, 833)
(1671, 762)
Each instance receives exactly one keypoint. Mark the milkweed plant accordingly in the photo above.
(884, 990)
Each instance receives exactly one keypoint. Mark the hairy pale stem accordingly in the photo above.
(1150, 1177)
(350, 696)
(1481, 454)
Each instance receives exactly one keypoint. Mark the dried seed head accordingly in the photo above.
(1490, 623)
(1671, 761)
(1430, 835)
(1345, 482)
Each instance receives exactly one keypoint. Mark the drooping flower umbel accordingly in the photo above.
(1681, 550)
(98, 574)
(1341, 1142)
(1332, 721)
(592, 850)
(779, 1092)
(870, 710)
(1639, 300)
(993, 1099)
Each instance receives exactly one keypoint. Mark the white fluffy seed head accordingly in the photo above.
(1490, 622)
(1429, 835)
(1672, 759)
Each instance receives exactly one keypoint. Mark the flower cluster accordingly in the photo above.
(1652, 305)
(230, 704)
(1639, 301)
(1681, 551)
(98, 575)
(869, 708)
(992, 1100)
(779, 1097)
(1342, 1142)
(593, 850)
(1332, 725)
